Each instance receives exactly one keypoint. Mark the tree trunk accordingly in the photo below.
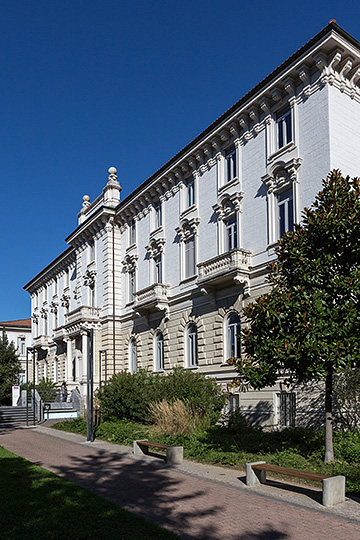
(329, 450)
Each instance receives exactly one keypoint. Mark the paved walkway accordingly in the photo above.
(196, 501)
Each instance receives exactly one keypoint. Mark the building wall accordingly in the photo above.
(240, 173)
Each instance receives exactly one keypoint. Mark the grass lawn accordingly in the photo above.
(36, 503)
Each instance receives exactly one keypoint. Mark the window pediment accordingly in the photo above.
(130, 263)
(188, 228)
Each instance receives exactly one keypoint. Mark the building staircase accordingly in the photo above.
(15, 415)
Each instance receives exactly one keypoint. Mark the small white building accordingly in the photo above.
(162, 276)
(19, 333)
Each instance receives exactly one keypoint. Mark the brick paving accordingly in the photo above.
(193, 507)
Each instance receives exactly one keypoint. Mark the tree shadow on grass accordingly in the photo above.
(36, 503)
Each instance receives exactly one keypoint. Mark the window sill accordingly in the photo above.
(188, 210)
(188, 279)
(229, 184)
(287, 148)
(156, 231)
(191, 367)
(131, 247)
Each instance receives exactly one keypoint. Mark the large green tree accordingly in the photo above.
(308, 326)
(9, 369)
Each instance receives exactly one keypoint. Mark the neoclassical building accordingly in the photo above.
(162, 275)
(19, 333)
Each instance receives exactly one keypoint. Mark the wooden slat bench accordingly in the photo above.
(174, 454)
(333, 487)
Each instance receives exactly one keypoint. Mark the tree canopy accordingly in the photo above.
(307, 327)
(9, 369)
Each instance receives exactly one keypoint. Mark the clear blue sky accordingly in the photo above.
(89, 84)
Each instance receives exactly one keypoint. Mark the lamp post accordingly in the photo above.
(90, 386)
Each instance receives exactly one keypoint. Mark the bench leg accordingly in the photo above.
(254, 477)
(174, 455)
(140, 450)
(333, 490)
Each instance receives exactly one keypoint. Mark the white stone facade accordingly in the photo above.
(162, 276)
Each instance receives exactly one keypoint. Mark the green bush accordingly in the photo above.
(121, 432)
(128, 396)
(74, 425)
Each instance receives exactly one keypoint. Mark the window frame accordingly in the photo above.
(231, 233)
(131, 285)
(284, 218)
(190, 193)
(284, 128)
(132, 232)
(191, 346)
(158, 217)
(159, 363)
(231, 164)
(158, 268)
(189, 257)
(286, 404)
(233, 336)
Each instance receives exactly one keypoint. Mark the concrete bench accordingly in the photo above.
(333, 487)
(174, 454)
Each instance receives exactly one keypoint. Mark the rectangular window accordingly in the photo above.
(131, 285)
(158, 216)
(230, 159)
(285, 211)
(193, 356)
(21, 346)
(92, 296)
(286, 409)
(132, 232)
(231, 234)
(189, 246)
(190, 188)
(91, 251)
(158, 269)
(284, 128)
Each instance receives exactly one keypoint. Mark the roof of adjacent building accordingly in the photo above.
(19, 323)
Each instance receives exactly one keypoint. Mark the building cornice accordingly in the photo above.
(331, 57)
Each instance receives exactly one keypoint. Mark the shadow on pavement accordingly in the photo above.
(153, 491)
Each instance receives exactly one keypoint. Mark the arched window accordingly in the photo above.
(159, 352)
(132, 356)
(233, 338)
(191, 346)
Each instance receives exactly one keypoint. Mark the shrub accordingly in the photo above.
(121, 432)
(175, 418)
(129, 396)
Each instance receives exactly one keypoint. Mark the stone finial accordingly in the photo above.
(112, 189)
(86, 201)
(112, 174)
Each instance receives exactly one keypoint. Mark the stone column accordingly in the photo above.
(84, 348)
(68, 367)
